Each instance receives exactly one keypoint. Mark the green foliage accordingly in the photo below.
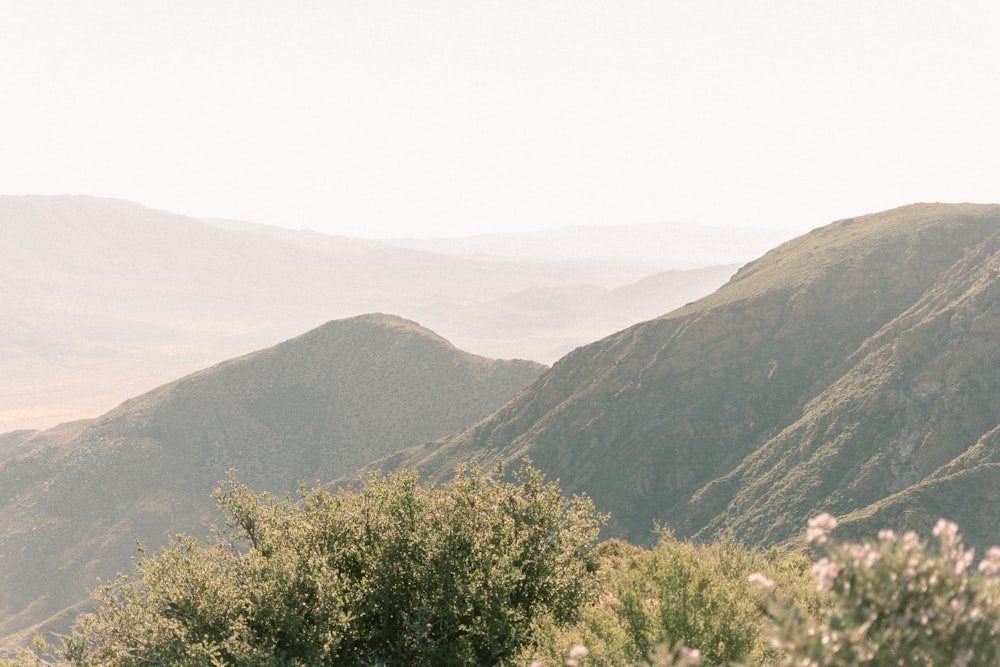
(395, 573)
(679, 595)
(30, 657)
(482, 571)
(896, 600)
(683, 594)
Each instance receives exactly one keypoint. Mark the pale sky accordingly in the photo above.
(386, 119)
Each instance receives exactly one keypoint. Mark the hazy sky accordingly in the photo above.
(412, 118)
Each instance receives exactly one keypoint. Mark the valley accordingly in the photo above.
(105, 299)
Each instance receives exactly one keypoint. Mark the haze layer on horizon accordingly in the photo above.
(386, 120)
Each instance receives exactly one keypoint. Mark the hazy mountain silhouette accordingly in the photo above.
(547, 320)
(853, 369)
(683, 246)
(312, 408)
(105, 299)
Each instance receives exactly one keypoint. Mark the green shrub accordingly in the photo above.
(31, 656)
(682, 594)
(395, 573)
(679, 595)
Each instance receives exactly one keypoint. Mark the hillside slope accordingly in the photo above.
(843, 367)
(309, 409)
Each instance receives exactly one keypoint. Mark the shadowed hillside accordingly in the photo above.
(312, 408)
(856, 362)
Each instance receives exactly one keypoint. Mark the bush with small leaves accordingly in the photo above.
(31, 656)
(895, 600)
(396, 573)
(679, 601)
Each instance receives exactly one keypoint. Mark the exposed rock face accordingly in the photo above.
(309, 409)
(845, 366)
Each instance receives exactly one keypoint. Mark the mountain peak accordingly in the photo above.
(382, 321)
(313, 408)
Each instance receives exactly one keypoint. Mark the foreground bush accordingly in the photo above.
(896, 600)
(892, 601)
(396, 573)
(682, 595)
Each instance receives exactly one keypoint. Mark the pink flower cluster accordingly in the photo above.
(820, 527)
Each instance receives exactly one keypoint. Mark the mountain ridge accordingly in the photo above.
(657, 421)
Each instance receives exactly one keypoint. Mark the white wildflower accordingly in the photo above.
(946, 530)
(819, 528)
(991, 562)
(825, 571)
(575, 653)
(761, 581)
(864, 555)
(962, 561)
(887, 535)
(691, 655)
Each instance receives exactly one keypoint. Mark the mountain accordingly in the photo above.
(15, 443)
(682, 246)
(105, 299)
(312, 408)
(547, 321)
(853, 370)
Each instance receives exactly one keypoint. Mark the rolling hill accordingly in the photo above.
(311, 408)
(853, 369)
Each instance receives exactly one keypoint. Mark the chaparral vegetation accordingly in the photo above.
(483, 571)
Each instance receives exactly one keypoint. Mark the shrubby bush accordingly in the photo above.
(656, 603)
(31, 656)
(397, 573)
(487, 572)
(895, 600)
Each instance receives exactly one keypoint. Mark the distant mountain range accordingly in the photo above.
(855, 369)
(310, 409)
(105, 299)
(681, 246)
